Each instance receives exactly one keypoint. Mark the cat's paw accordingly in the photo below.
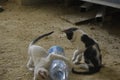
(31, 69)
(76, 62)
(73, 59)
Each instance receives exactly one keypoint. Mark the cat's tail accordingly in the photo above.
(90, 72)
(40, 37)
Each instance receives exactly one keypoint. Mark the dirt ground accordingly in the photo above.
(21, 24)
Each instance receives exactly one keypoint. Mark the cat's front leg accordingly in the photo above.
(56, 56)
(60, 57)
(35, 76)
(77, 56)
(84, 66)
(78, 59)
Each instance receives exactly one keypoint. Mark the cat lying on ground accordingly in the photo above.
(39, 60)
(87, 48)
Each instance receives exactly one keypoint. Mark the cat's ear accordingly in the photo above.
(69, 34)
(43, 74)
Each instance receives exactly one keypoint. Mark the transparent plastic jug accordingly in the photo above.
(59, 69)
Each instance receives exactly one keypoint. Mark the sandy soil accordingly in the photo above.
(21, 24)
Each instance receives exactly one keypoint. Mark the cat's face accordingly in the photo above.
(74, 35)
(70, 33)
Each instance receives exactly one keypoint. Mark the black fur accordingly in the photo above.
(69, 32)
(1, 9)
(90, 56)
(41, 36)
(87, 41)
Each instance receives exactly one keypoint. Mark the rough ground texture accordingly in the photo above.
(21, 24)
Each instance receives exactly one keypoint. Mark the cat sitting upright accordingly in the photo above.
(87, 48)
(39, 60)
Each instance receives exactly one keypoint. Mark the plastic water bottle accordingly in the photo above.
(56, 50)
(58, 69)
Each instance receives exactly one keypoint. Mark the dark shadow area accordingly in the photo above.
(108, 73)
(112, 25)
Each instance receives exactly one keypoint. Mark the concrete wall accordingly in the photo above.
(16, 1)
(32, 2)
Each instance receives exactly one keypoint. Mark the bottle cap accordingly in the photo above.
(56, 50)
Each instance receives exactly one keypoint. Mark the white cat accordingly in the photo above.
(87, 49)
(39, 60)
